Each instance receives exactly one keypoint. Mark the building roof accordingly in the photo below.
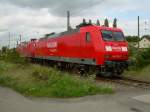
(147, 37)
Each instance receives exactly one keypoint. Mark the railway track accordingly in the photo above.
(127, 82)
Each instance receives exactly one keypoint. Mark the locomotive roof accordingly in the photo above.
(53, 34)
(60, 34)
(109, 28)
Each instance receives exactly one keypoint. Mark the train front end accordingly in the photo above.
(115, 51)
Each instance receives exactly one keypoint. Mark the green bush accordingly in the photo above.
(143, 58)
(132, 51)
(10, 55)
(140, 58)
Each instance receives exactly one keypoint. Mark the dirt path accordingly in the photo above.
(122, 101)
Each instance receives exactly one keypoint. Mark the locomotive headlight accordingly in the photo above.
(124, 49)
(108, 48)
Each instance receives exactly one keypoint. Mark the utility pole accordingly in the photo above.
(17, 42)
(68, 21)
(9, 40)
(20, 38)
(138, 31)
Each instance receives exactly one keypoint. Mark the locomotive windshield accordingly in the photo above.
(112, 36)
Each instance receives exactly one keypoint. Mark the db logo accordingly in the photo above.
(52, 44)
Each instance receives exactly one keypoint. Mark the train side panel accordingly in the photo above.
(72, 48)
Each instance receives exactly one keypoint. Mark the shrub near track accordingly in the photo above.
(143, 58)
(140, 67)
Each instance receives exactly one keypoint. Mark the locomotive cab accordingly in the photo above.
(115, 50)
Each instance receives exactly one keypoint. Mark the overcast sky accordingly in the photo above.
(33, 18)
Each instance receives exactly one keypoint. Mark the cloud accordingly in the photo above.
(57, 7)
(77, 7)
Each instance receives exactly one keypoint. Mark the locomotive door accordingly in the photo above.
(88, 45)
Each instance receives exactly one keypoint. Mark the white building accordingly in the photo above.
(144, 42)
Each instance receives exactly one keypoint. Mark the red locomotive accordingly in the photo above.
(88, 47)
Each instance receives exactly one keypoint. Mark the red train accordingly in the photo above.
(88, 47)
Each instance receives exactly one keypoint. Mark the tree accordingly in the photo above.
(106, 23)
(84, 21)
(115, 23)
(132, 38)
(4, 49)
(98, 23)
(90, 22)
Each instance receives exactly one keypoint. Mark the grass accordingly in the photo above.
(36, 80)
(140, 74)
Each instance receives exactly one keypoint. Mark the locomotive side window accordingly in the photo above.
(88, 37)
